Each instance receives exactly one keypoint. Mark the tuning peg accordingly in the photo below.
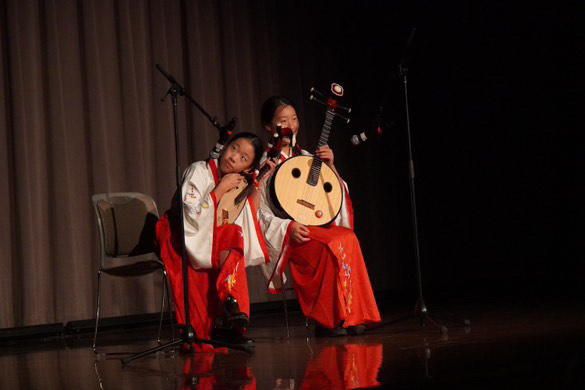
(312, 97)
(313, 90)
(342, 117)
(347, 109)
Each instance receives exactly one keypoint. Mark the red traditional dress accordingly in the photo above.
(349, 366)
(209, 282)
(200, 368)
(328, 272)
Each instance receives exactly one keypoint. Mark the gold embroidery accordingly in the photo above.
(231, 279)
(347, 282)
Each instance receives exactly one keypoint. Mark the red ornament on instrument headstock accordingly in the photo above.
(331, 102)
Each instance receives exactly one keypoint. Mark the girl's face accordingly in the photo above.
(237, 157)
(287, 117)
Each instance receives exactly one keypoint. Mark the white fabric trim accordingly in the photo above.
(199, 215)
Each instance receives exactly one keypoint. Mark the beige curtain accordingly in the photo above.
(80, 113)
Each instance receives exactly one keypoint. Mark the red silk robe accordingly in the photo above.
(350, 366)
(329, 272)
(209, 282)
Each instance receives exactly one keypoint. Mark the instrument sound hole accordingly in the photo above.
(296, 173)
(328, 187)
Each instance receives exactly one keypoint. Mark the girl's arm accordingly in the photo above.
(326, 154)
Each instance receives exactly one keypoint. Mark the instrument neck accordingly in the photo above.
(263, 171)
(326, 129)
(323, 138)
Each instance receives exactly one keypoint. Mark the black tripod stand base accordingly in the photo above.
(248, 349)
(149, 351)
(424, 320)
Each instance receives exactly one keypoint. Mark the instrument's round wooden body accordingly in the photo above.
(311, 205)
(227, 209)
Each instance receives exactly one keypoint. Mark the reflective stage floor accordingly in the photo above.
(508, 345)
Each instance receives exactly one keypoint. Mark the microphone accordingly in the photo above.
(372, 132)
(364, 135)
(406, 47)
(224, 133)
(375, 129)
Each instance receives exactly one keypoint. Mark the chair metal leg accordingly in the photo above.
(162, 307)
(166, 295)
(97, 312)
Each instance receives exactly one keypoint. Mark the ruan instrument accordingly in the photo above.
(303, 188)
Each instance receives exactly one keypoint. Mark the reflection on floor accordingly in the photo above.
(505, 346)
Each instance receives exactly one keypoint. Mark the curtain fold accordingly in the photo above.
(81, 113)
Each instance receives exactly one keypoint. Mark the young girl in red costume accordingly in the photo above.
(218, 255)
(327, 265)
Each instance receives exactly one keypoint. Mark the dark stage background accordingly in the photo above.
(494, 90)
(496, 105)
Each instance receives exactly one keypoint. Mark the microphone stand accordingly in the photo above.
(420, 308)
(188, 335)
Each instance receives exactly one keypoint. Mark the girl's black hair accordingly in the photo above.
(269, 108)
(256, 143)
(272, 104)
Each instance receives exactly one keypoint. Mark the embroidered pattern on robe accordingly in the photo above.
(231, 279)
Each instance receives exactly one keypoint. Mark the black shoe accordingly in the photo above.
(231, 316)
(232, 337)
(321, 331)
(357, 330)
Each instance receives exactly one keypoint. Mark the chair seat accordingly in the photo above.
(137, 269)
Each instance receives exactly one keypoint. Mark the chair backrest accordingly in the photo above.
(126, 223)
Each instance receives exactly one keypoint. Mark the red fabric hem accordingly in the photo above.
(214, 170)
(259, 233)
